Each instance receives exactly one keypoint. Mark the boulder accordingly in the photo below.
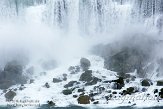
(85, 64)
(119, 83)
(145, 82)
(10, 95)
(128, 54)
(51, 103)
(12, 74)
(55, 80)
(160, 83)
(74, 69)
(86, 76)
(75, 96)
(67, 91)
(70, 84)
(93, 81)
(47, 85)
(84, 99)
(81, 90)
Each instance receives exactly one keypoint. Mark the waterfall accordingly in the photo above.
(86, 16)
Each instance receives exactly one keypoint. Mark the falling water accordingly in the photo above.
(88, 16)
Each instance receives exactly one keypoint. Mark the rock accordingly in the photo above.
(67, 91)
(145, 82)
(161, 89)
(130, 90)
(93, 94)
(74, 69)
(31, 81)
(64, 79)
(127, 80)
(75, 96)
(85, 64)
(114, 92)
(155, 91)
(70, 84)
(96, 102)
(10, 95)
(161, 94)
(144, 90)
(81, 90)
(51, 103)
(119, 83)
(11, 75)
(160, 83)
(55, 80)
(47, 85)
(86, 76)
(84, 99)
(94, 81)
(133, 78)
(49, 64)
(65, 75)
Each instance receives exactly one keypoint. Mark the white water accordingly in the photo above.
(69, 27)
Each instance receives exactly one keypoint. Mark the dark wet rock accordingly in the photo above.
(75, 96)
(10, 95)
(51, 103)
(70, 84)
(161, 94)
(84, 99)
(92, 99)
(64, 79)
(129, 91)
(74, 69)
(119, 83)
(93, 94)
(81, 90)
(145, 82)
(67, 91)
(64, 75)
(85, 64)
(114, 92)
(160, 83)
(124, 56)
(127, 80)
(31, 81)
(161, 89)
(22, 88)
(126, 61)
(133, 78)
(12, 74)
(55, 80)
(86, 76)
(94, 81)
(96, 102)
(47, 85)
(49, 64)
(5, 90)
(144, 90)
(155, 91)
